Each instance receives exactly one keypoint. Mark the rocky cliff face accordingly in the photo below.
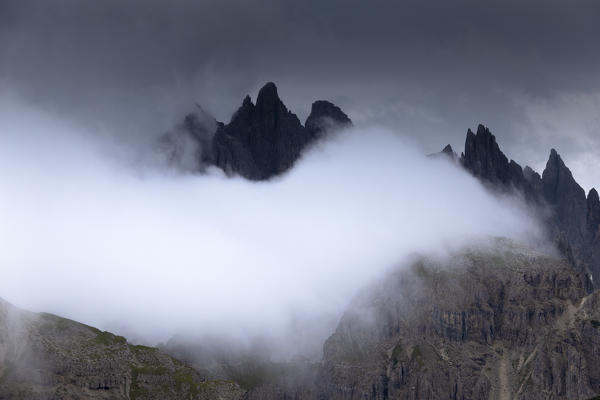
(503, 323)
(43, 356)
(491, 322)
(262, 140)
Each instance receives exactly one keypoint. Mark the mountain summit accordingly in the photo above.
(571, 218)
(262, 140)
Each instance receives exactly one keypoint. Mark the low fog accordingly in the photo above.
(91, 234)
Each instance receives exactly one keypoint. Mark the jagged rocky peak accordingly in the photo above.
(272, 113)
(566, 197)
(483, 157)
(264, 140)
(593, 212)
(446, 152)
(323, 116)
(261, 140)
(557, 178)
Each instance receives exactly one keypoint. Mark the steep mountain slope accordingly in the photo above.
(43, 356)
(500, 323)
(494, 322)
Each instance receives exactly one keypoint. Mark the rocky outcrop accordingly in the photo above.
(566, 198)
(484, 159)
(43, 356)
(325, 116)
(261, 141)
(446, 153)
(482, 156)
(533, 178)
(503, 323)
(593, 214)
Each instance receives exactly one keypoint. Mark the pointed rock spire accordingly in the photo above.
(485, 160)
(261, 140)
(566, 197)
(447, 152)
(482, 156)
(593, 213)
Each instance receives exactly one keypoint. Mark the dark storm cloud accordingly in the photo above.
(430, 69)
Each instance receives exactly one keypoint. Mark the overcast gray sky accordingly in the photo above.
(530, 70)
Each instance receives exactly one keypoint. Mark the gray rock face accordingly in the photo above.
(566, 198)
(484, 159)
(505, 324)
(592, 246)
(593, 214)
(43, 356)
(534, 179)
(262, 140)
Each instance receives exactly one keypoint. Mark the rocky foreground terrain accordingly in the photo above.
(45, 357)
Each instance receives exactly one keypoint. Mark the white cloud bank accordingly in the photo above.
(154, 254)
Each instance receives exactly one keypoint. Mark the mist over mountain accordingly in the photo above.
(235, 200)
(139, 251)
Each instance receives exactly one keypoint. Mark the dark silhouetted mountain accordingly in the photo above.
(484, 159)
(566, 198)
(593, 213)
(262, 140)
(323, 116)
(534, 179)
(571, 219)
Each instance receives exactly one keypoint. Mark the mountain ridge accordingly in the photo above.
(260, 141)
